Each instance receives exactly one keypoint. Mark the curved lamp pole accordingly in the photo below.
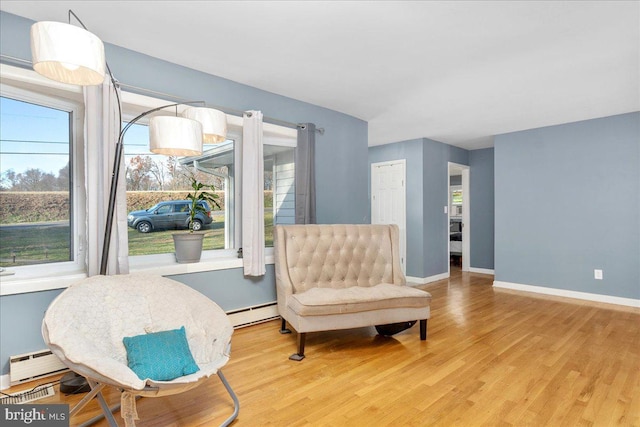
(116, 172)
(106, 244)
(68, 54)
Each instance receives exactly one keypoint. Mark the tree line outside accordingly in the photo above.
(35, 180)
(143, 173)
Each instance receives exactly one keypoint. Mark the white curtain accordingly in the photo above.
(252, 195)
(101, 130)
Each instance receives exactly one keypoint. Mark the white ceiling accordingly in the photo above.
(457, 72)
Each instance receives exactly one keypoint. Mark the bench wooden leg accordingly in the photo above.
(300, 354)
(423, 329)
(283, 327)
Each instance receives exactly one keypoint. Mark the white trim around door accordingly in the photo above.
(459, 169)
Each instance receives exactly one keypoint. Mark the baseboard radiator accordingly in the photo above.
(252, 315)
(31, 366)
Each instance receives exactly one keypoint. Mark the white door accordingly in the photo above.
(388, 199)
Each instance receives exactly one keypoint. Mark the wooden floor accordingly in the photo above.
(492, 358)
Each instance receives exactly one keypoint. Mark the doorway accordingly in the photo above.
(388, 199)
(459, 241)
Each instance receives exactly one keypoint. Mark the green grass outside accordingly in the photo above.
(160, 242)
(47, 243)
(39, 244)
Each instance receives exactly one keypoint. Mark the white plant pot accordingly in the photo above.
(188, 247)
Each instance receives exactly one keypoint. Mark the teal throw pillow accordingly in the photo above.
(160, 356)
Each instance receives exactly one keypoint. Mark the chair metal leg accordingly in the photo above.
(99, 417)
(300, 354)
(107, 411)
(86, 399)
(96, 389)
(103, 404)
(236, 402)
(423, 329)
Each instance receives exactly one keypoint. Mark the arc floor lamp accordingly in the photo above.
(70, 54)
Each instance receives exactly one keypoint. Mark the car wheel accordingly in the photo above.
(143, 227)
(197, 225)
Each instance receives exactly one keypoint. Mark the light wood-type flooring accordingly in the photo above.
(492, 358)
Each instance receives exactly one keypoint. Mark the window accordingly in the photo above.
(279, 174)
(217, 166)
(279, 186)
(152, 179)
(38, 202)
(456, 200)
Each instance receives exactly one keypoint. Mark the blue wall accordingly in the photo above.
(20, 324)
(436, 158)
(567, 201)
(230, 289)
(341, 172)
(481, 183)
(427, 195)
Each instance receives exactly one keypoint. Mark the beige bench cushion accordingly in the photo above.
(324, 301)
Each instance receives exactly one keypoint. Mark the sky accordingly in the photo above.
(33, 136)
(29, 128)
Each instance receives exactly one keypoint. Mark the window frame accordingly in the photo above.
(216, 259)
(33, 278)
(27, 86)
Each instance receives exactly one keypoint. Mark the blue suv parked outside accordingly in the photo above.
(172, 214)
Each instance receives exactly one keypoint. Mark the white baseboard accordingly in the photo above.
(424, 280)
(5, 382)
(482, 270)
(608, 299)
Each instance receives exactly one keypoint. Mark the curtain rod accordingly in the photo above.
(226, 110)
(9, 59)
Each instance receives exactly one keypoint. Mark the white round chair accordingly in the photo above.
(85, 326)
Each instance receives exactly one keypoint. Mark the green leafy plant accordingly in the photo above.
(200, 194)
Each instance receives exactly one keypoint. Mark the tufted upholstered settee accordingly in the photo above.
(332, 277)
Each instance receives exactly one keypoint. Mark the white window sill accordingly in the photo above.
(15, 284)
(164, 264)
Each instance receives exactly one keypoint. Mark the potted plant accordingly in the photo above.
(188, 245)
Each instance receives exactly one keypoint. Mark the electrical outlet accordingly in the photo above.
(597, 274)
